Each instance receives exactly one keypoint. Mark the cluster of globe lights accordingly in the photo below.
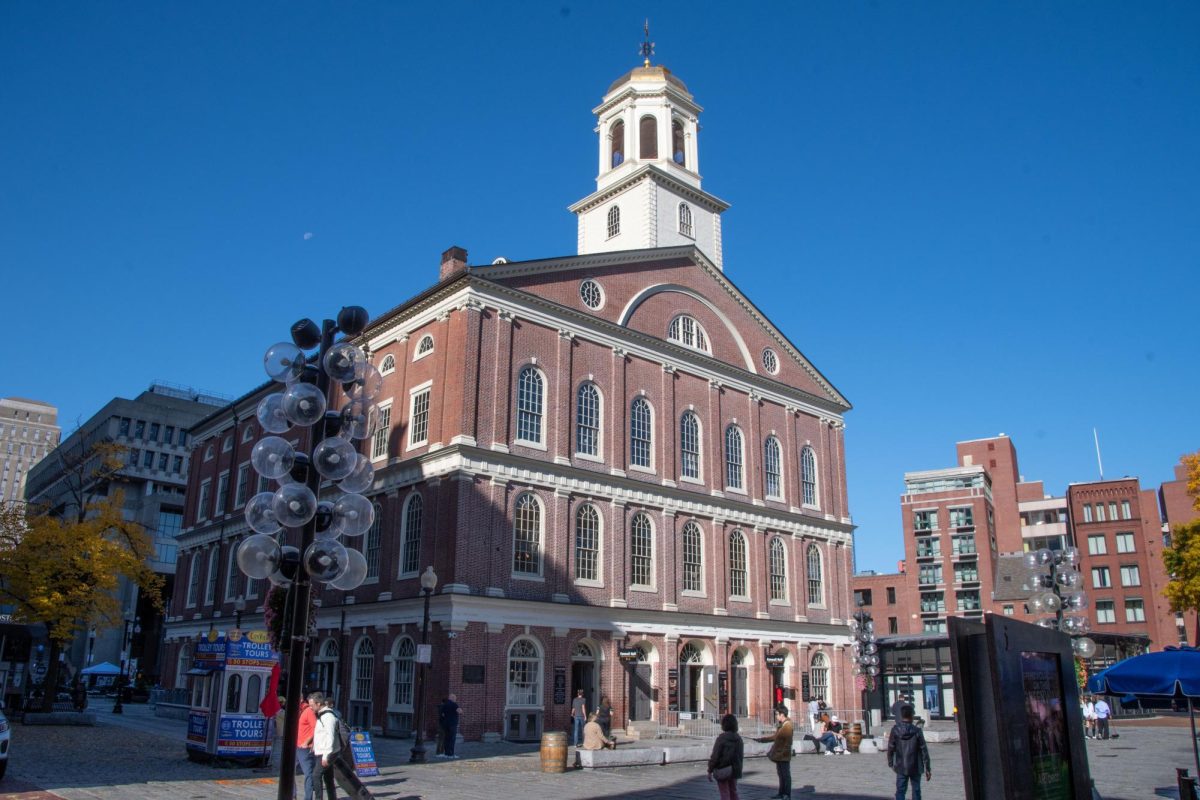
(865, 650)
(1056, 582)
(336, 459)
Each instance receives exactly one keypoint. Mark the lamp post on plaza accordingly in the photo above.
(1055, 579)
(865, 653)
(239, 607)
(126, 641)
(331, 457)
(428, 584)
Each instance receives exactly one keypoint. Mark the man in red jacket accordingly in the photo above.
(304, 739)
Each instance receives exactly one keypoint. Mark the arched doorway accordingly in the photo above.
(697, 680)
(327, 663)
(584, 673)
(739, 694)
(641, 684)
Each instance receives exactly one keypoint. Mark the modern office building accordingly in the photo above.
(626, 478)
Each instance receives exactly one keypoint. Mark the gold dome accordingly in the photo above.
(646, 74)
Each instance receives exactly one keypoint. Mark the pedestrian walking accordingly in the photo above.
(579, 716)
(325, 747)
(441, 738)
(448, 716)
(908, 755)
(1103, 712)
(604, 716)
(814, 715)
(304, 740)
(1088, 707)
(725, 763)
(781, 752)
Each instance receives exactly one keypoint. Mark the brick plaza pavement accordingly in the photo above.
(139, 756)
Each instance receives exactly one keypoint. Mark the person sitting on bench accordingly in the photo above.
(593, 736)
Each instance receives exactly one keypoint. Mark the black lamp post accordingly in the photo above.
(866, 658)
(239, 607)
(428, 584)
(126, 641)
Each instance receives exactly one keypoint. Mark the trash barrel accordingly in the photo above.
(854, 737)
(554, 752)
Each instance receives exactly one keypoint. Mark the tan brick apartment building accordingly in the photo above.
(603, 452)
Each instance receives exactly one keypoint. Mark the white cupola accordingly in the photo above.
(648, 188)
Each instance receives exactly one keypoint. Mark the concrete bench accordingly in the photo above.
(941, 736)
(621, 757)
(679, 753)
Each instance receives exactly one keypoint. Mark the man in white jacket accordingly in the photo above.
(325, 748)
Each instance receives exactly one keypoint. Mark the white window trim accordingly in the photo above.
(816, 505)
(227, 443)
(824, 578)
(652, 469)
(412, 406)
(202, 499)
(210, 585)
(250, 484)
(593, 583)
(190, 596)
(725, 459)
(651, 587)
(384, 370)
(539, 576)
(787, 588)
(516, 409)
(699, 479)
(417, 354)
(381, 405)
(779, 498)
(403, 538)
(703, 590)
(599, 457)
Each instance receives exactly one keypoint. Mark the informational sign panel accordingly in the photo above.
(723, 691)
(364, 754)
(560, 686)
(629, 653)
(241, 735)
(472, 673)
(804, 689)
(424, 654)
(673, 689)
(197, 734)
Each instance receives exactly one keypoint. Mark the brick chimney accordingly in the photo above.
(454, 262)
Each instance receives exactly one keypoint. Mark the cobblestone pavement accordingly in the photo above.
(141, 756)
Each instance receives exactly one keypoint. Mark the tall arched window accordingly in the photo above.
(687, 331)
(403, 653)
(327, 662)
(777, 562)
(410, 548)
(364, 670)
(641, 551)
(193, 579)
(527, 536)
(808, 476)
(614, 221)
(616, 134)
(648, 137)
(183, 665)
(210, 593)
(587, 543)
(678, 154)
(233, 694)
(529, 405)
(689, 445)
(733, 457)
(772, 474)
(737, 564)
(587, 420)
(818, 675)
(254, 693)
(685, 219)
(816, 590)
(524, 674)
(371, 543)
(639, 433)
(693, 559)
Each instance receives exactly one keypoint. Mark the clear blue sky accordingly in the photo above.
(972, 217)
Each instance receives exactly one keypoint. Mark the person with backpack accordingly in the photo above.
(908, 755)
(328, 742)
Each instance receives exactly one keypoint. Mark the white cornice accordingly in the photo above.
(655, 173)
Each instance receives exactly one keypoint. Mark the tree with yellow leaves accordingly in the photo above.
(65, 571)
(1182, 558)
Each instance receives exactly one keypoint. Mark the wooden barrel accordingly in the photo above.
(554, 752)
(854, 737)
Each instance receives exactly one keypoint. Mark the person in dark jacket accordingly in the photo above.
(604, 716)
(727, 753)
(908, 755)
(781, 752)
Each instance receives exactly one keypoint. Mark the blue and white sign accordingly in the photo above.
(241, 735)
(364, 754)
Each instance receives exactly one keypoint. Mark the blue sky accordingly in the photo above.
(972, 217)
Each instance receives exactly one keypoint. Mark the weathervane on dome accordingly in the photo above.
(647, 46)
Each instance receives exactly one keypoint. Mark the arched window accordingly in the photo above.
(816, 591)
(193, 579)
(425, 346)
(689, 445)
(388, 365)
(639, 433)
(808, 476)
(527, 536)
(690, 654)
(327, 665)
(524, 674)
(587, 543)
(529, 405)
(254, 696)
(587, 420)
(410, 548)
(614, 221)
(371, 544)
(210, 593)
(183, 665)
(233, 694)
(778, 566)
(648, 138)
(364, 670)
(403, 654)
(693, 559)
(818, 676)
(737, 564)
(616, 135)
(641, 551)
(773, 476)
(733, 457)
(685, 219)
(247, 434)
(677, 143)
(687, 331)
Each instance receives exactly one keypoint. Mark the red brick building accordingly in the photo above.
(610, 451)
(1177, 508)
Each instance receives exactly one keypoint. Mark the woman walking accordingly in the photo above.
(604, 716)
(725, 763)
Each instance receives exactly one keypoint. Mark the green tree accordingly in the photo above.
(65, 571)
(1182, 558)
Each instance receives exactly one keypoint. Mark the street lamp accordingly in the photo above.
(294, 504)
(239, 606)
(428, 584)
(865, 653)
(1056, 579)
(126, 641)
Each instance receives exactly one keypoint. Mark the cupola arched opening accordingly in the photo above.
(616, 134)
(677, 149)
(648, 138)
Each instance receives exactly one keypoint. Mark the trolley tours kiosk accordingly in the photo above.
(229, 678)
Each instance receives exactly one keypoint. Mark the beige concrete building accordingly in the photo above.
(28, 431)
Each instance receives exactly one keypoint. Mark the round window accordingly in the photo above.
(589, 292)
(770, 361)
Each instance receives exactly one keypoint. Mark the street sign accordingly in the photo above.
(424, 654)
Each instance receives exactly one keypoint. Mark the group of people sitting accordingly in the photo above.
(828, 733)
